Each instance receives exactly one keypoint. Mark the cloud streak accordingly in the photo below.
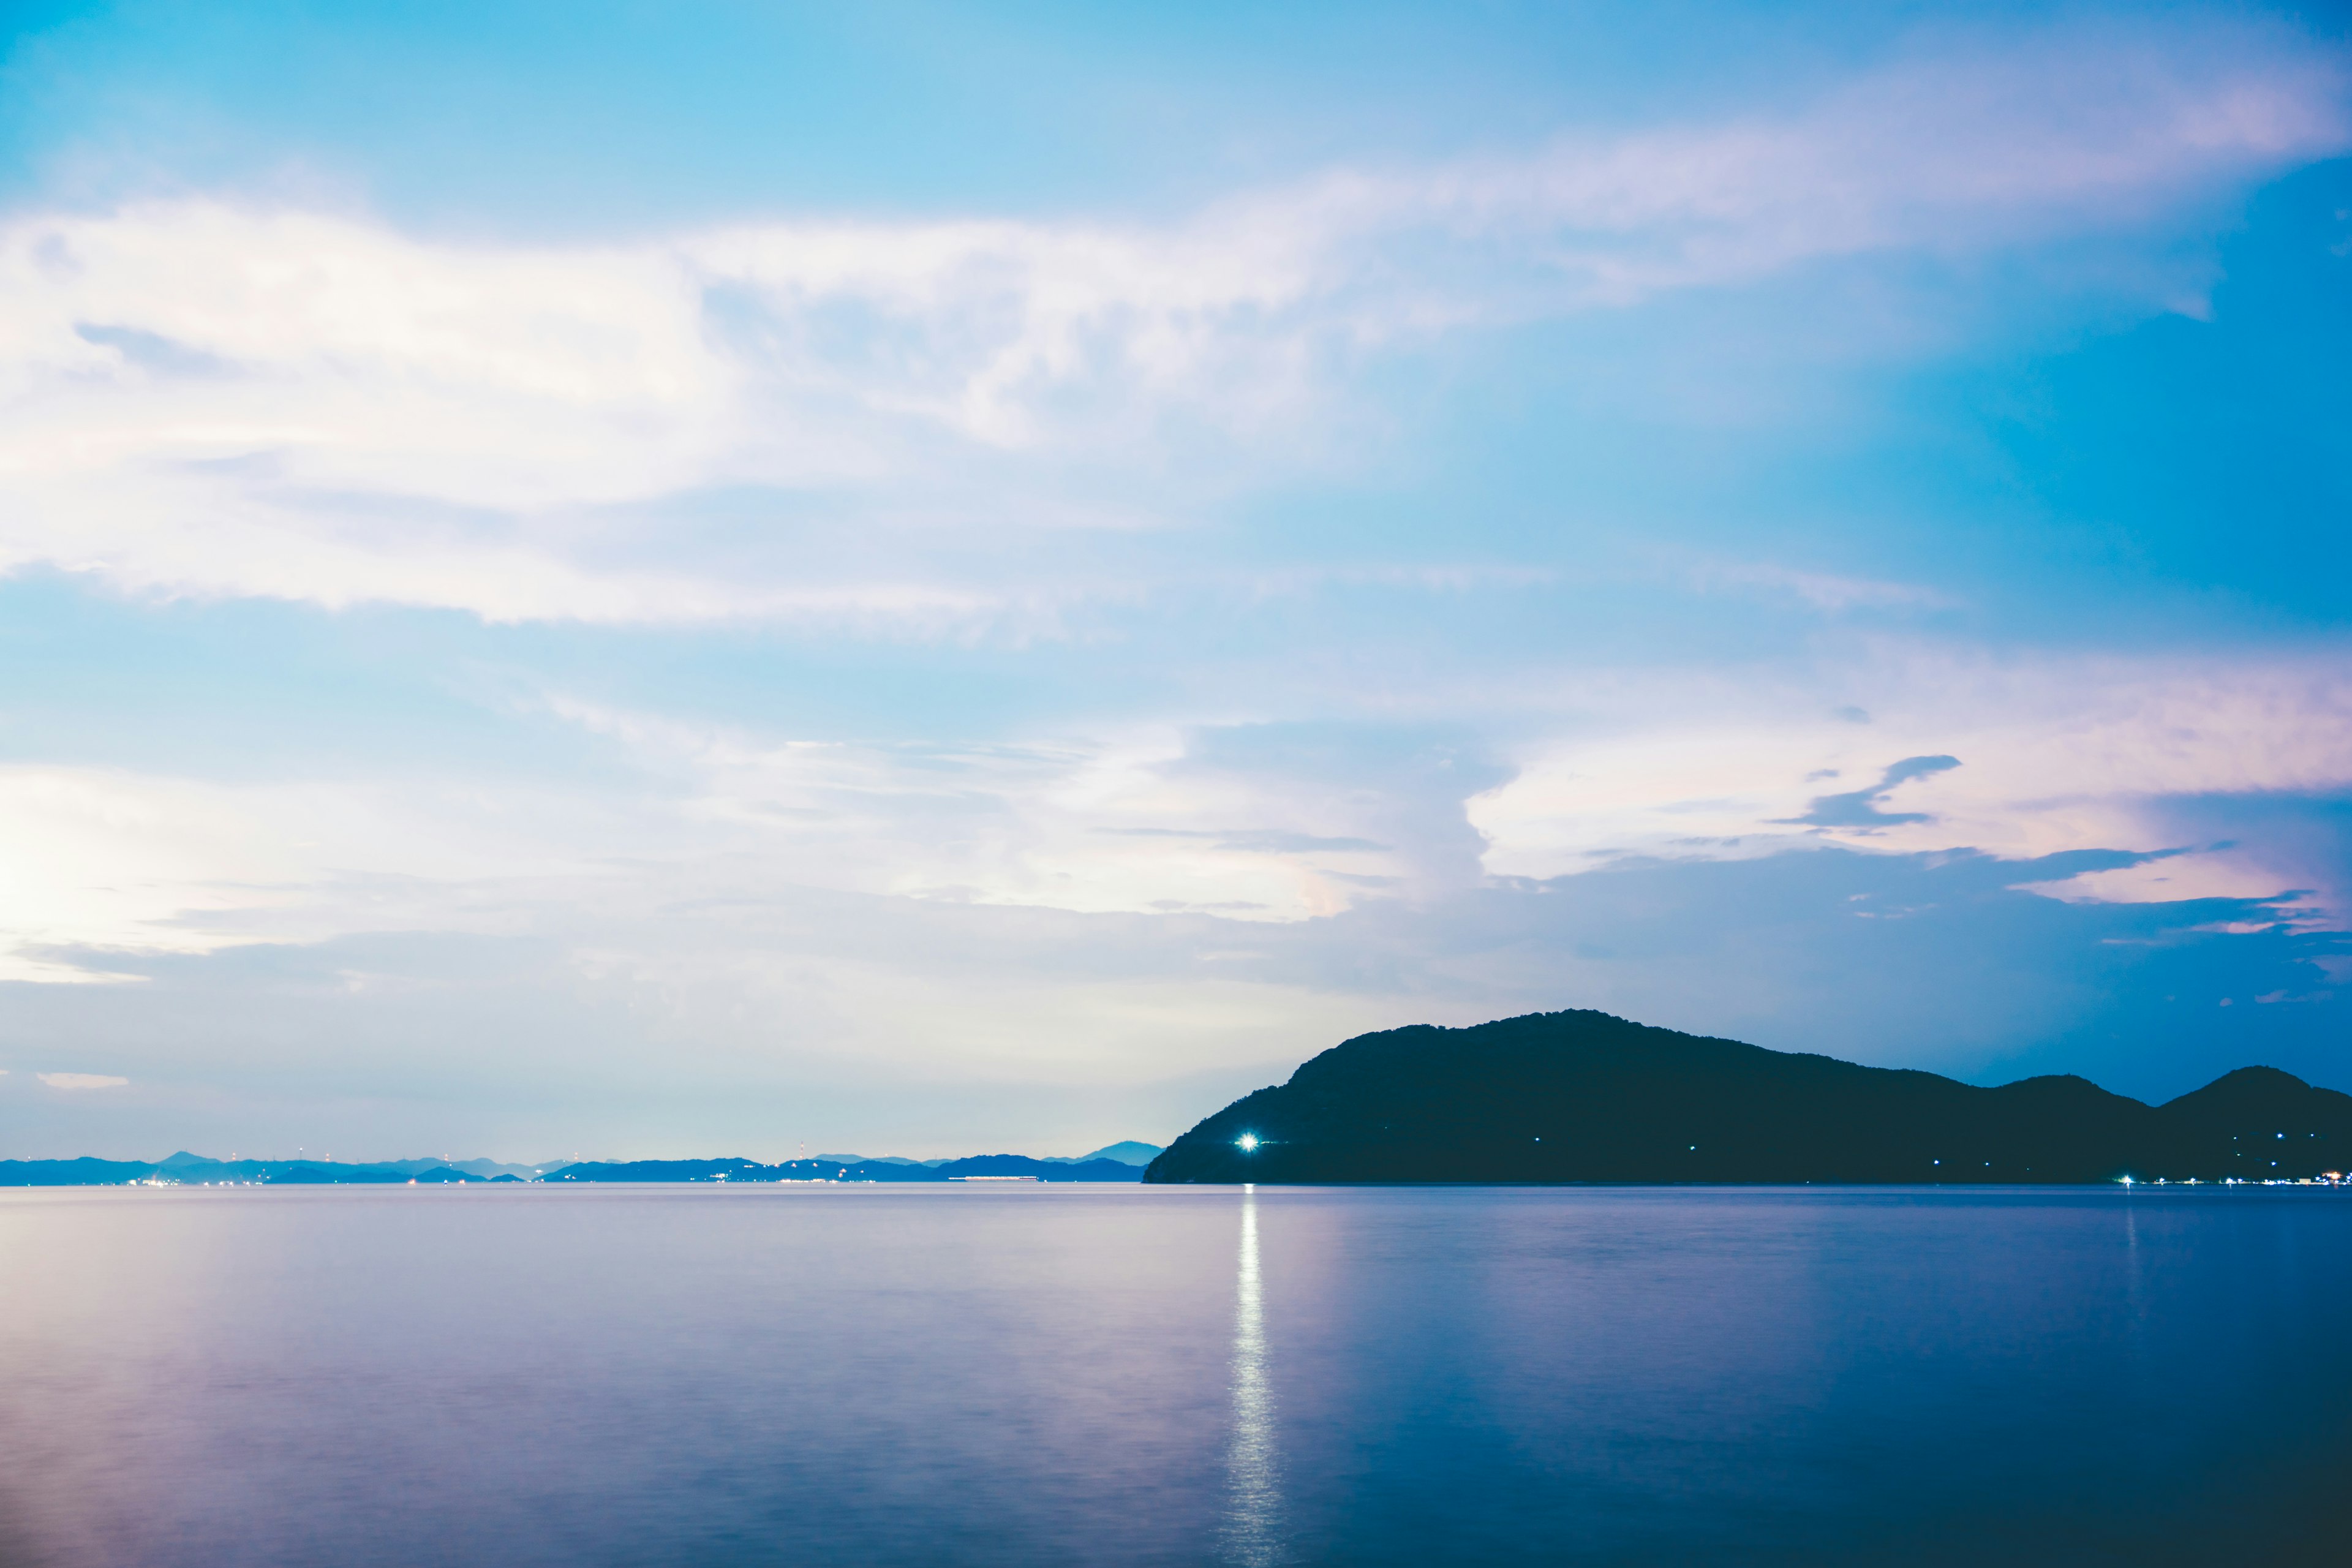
(232, 399)
(2062, 754)
(1859, 809)
(76, 1082)
(1257, 822)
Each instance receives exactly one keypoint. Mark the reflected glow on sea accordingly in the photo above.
(1045, 1376)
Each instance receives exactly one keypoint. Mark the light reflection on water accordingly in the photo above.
(1164, 1378)
(1253, 1533)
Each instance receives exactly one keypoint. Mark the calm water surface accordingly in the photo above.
(695, 1376)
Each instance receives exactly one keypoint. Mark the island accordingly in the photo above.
(1584, 1096)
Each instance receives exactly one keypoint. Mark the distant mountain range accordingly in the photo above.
(1586, 1097)
(984, 1167)
(1117, 1163)
(184, 1169)
(1128, 1153)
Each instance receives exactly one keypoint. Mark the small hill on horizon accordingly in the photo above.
(1584, 1096)
(1130, 1152)
(740, 1172)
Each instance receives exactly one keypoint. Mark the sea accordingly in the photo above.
(1026, 1375)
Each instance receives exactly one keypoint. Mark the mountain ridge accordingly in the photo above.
(1583, 1096)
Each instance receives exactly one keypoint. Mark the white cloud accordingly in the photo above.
(1125, 822)
(1957, 149)
(1252, 823)
(75, 1080)
(109, 861)
(2056, 754)
(108, 864)
(208, 397)
(103, 859)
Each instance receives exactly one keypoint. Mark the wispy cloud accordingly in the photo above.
(1257, 841)
(81, 1080)
(1859, 810)
(1821, 590)
(2062, 754)
(205, 396)
(1263, 823)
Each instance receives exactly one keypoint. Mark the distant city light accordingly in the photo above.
(1249, 1141)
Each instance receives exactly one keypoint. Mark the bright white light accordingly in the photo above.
(1249, 1141)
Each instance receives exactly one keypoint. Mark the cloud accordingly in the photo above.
(113, 860)
(115, 866)
(634, 1012)
(80, 1081)
(1858, 809)
(2292, 846)
(2064, 754)
(1821, 590)
(1962, 145)
(215, 397)
(710, 921)
(1259, 841)
(151, 351)
(1269, 822)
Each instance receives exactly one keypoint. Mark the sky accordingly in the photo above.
(716, 578)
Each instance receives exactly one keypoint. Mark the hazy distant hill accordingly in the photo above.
(85, 1172)
(1585, 1097)
(184, 1169)
(1128, 1153)
(742, 1171)
(187, 1170)
(486, 1169)
(314, 1174)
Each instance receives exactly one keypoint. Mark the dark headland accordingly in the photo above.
(1586, 1097)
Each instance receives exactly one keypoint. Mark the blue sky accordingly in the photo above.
(705, 577)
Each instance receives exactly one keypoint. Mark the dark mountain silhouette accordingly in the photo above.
(1586, 1097)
